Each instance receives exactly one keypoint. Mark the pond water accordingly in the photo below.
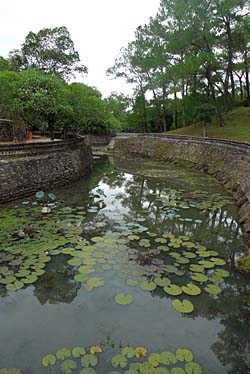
(134, 265)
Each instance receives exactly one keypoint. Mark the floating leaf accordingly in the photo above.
(132, 282)
(161, 370)
(184, 306)
(67, 366)
(162, 282)
(148, 286)
(199, 277)
(173, 290)
(193, 368)
(95, 349)
(183, 354)
(167, 358)
(123, 299)
(177, 371)
(154, 359)
(78, 352)
(218, 261)
(191, 289)
(63, 353)
(89, 360)
(207, 264)
(48, 360)
(213, 289)
(94, 282)
(129, 352)
(14, 286)
(119, 360)
(13, 371)
(140, 352)
(222, 273)
(197, 268)
(88, 371)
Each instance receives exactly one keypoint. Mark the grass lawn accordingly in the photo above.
(237, 127)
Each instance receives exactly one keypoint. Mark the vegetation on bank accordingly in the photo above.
(237, 127)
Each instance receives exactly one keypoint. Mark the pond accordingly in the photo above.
(130, 270)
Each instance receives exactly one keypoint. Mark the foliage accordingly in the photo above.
(51, 51)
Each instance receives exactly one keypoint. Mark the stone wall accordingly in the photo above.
(228, 162)
(10, 131)
(25, 170)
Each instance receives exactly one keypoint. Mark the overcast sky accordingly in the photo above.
(98, 28)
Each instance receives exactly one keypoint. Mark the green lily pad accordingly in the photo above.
(216, 279)
(123, 299)
(148, 286)
(154, 359)
(128, 352)
(191, 289)
(88, 371)
(193, 368)
(132, 282)
(78, 352)
(198, 277)
(75, 261)
(89, 360)
(48, 360)
(177, 371)
(213, 289)
(161, 370)
(183, 354)
(63, 353)
(67, 366)
(222, 273)
(167, 358)
(119, 360)
(162, 282)
(93, 283)
(15, 286)
(183, 306)
(196, 268)
(173, 290)
(207, 264)
(218, 261)
(13, 371)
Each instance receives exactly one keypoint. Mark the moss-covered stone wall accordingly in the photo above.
(230, 166)
(42, 168)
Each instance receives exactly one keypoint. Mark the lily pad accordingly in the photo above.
(173, 290)
(88, 371)
(193, 368)
(154, 359)
(167, 358)
(89, 360)
(183, 306)
(202, 278)
(63, 353)
(123, 299)
(191, 289)
(140, 352)
(48, 360)
(132, 282)
(148, 286)
(177, 371)
(119, 361)
(67, 366)
(184, 355)
(78, 352)
(129, 352)
(222, 273)
(213, 289)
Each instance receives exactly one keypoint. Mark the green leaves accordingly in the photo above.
(213, 289)
(123, 299)
(89, 360)
(173, 290)
(78, 351)
(184, 306)
(191, 289)
(48, 360)
(184, 355)
(119, 361)
(67, 366)
(63, 353)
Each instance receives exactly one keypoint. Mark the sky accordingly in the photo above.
(98, 28)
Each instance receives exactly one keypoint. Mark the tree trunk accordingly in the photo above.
(213, 94)
(164, 109)
(247, 78)
(230, 57)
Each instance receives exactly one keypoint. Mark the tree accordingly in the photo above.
(50, 50)
(205, 114)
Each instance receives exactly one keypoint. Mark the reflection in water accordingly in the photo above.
(131, 195)
(57, 284)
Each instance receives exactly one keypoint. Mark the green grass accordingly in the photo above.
(237, 127)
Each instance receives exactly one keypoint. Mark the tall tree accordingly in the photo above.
(50, 50)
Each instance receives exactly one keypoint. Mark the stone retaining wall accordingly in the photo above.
(229, 163)
(25, 169)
